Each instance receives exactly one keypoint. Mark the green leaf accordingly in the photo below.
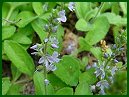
(115, 19)
(5, 10)
(39, 84)
(88, 77)
(65, 91)
(85, 27)
(68, 70)
(38, 26)
(25, 18)
(21, 38)
(97, 52)
(15, 72)
(19, 57)
(15, 89)
(123, 6)
(8, 31)
(27, 30)
(84, 46)
(83, 89)
(56, 82)
(38, 7)
(99, 30)
(5, 85)
(81, 9)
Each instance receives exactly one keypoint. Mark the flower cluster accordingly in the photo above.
(46, 58)
(106, 68)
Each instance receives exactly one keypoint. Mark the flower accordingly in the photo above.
(71, 6)
(53, 58)
(49, 60)
(115, 61)
(100, 71)
(46, 40)
(113, 70)
(46, 81)
(102, 84)
(54, 29)
(61, 16)
(34, 47)
(54, 42)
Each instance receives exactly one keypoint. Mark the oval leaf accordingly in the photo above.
(19, 57)
(24, 18)
(68, 70)
(99, 30)
(7, 32)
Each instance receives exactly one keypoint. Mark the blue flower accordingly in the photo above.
(113, 70)
(100, 71)
(54, 42)
(49, 60)
(102, 84)
(71, 6)
(61, 16)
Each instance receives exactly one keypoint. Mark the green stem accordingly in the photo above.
(97, 12)
(8, 16)
(45, 71)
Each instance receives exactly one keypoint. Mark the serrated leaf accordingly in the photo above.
(38, 7)
(19, 57)
(5, 85)
(25, 18)
(83, 89)
(8, 31)
(99, 30)
(65, 91)
(38, 26)
(39, 84)
(68, 70)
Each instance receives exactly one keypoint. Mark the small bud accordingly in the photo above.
(114, 46)
(46, 81)
(46, 40)
(54, 29)
(46, 27)
(121, 49)
(105, 55)
(115, 61)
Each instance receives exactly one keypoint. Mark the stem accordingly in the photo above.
(45, 71)
(97, 12)
(8, 16)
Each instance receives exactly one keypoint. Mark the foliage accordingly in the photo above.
(34, 39)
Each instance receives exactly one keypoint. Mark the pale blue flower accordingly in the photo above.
(113, 70)
(61, 16)
(100, 71)
(71, 6)
(102, 85)
(54, 42)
